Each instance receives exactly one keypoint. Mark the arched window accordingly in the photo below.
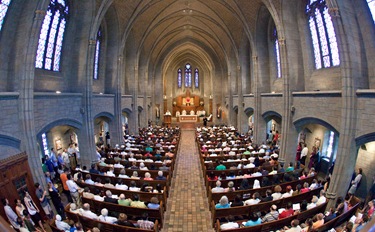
(187, 75)
(196, 78)
(371, 5)
(179, 78)
(51, 36)
(323, 35)
(277, 52)
(4, 5)
(97, 54)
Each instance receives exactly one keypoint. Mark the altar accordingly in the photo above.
(187, 105)
(187, 118)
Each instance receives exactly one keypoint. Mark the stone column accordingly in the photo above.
(288, 133)
(241, 117)
(347, 152)
(230, 101)
(86, 138)
(117, 132)
(26, 99)
(259, 123)
(135, 99)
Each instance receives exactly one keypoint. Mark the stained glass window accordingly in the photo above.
(371, 5)
(196, 78)
(51, 36)
(97, 54)
(187, 75)
(45, 144)
(4, 5)
(323, 35)
(277, 53)
(179, 78)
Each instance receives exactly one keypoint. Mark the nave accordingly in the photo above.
(187, 208)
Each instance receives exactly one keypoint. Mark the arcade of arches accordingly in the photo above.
(245, 63)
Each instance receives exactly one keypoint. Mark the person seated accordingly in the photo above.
(305, 188)
(123, 201)
(272, 215)
(223, 203)
(108, 183)
(254, 200)
(61, 225)
(123, 174)
(118, 165)
(109, 197)
(133, 187)
(135, 175)
(160, 176)
(88, 179)
(277, 193)
(253, 220)
(290, 168)
(268, 196)
(230, 224)
(218, 188)
(287, 212)
(294, 226)
(319, 221)
(123, 220)
(87, 194)
(86, 212)
(237, 201)
(230, 187)
(120, 185)
(144, 223)
(110, 172)
(105, 218)
(73, 208)
(314, 200)
(148, 176)
(137, 203)
(322, 199)
(288, 192)
(154, 203)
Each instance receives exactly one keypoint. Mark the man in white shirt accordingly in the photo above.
(230, 224)
(66, 159)
(218, 188)
(73, 188)
(304, 153)
(105, 218)
(322, 199)
(87, 212)
(254, 200)
(12, 216)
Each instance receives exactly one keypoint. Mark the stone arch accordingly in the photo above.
(249, 111)
(268, 115)
(311, 120)
(127, 110)
(360, 140)
(110, 116)
(65, 121)
(6, 140)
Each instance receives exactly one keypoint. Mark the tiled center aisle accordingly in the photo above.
(187, 208)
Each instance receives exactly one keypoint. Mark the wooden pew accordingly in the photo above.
(88, 223)
(143, 196)
(339, 219)
(278, 224)
(260, 207)
(97, 206)
(262, 191)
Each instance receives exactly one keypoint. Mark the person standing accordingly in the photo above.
(356, 182)
(205, 121)
(56, 200)
(73, 188)
(42, 196)
(33, 210)
(11, 215)
(304, 153)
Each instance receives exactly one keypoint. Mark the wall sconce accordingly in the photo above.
(210, 96)
(243, 104)
(165, 97)
(201, 103)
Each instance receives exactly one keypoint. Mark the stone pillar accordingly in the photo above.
(86, 138)
(230, 101)
(117, 132)
(259, 123)
(241, 117)
(288, 133)
(26, 100)
(135, 99)
(347, 152)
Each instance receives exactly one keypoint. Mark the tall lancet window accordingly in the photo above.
(188, 76)
(4, 5)
(277, 52)
(179, 78)
(323, 35)
(196, 78)
(371, 5)
(51, 36)
(97, 54)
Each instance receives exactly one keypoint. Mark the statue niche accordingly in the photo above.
(187, 104)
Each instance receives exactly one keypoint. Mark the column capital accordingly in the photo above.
(331, 195)
(334, 12)
(40, 12)
(92, 42)
(281, 41)
(255, 58)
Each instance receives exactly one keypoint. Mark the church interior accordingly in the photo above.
(92, 75)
